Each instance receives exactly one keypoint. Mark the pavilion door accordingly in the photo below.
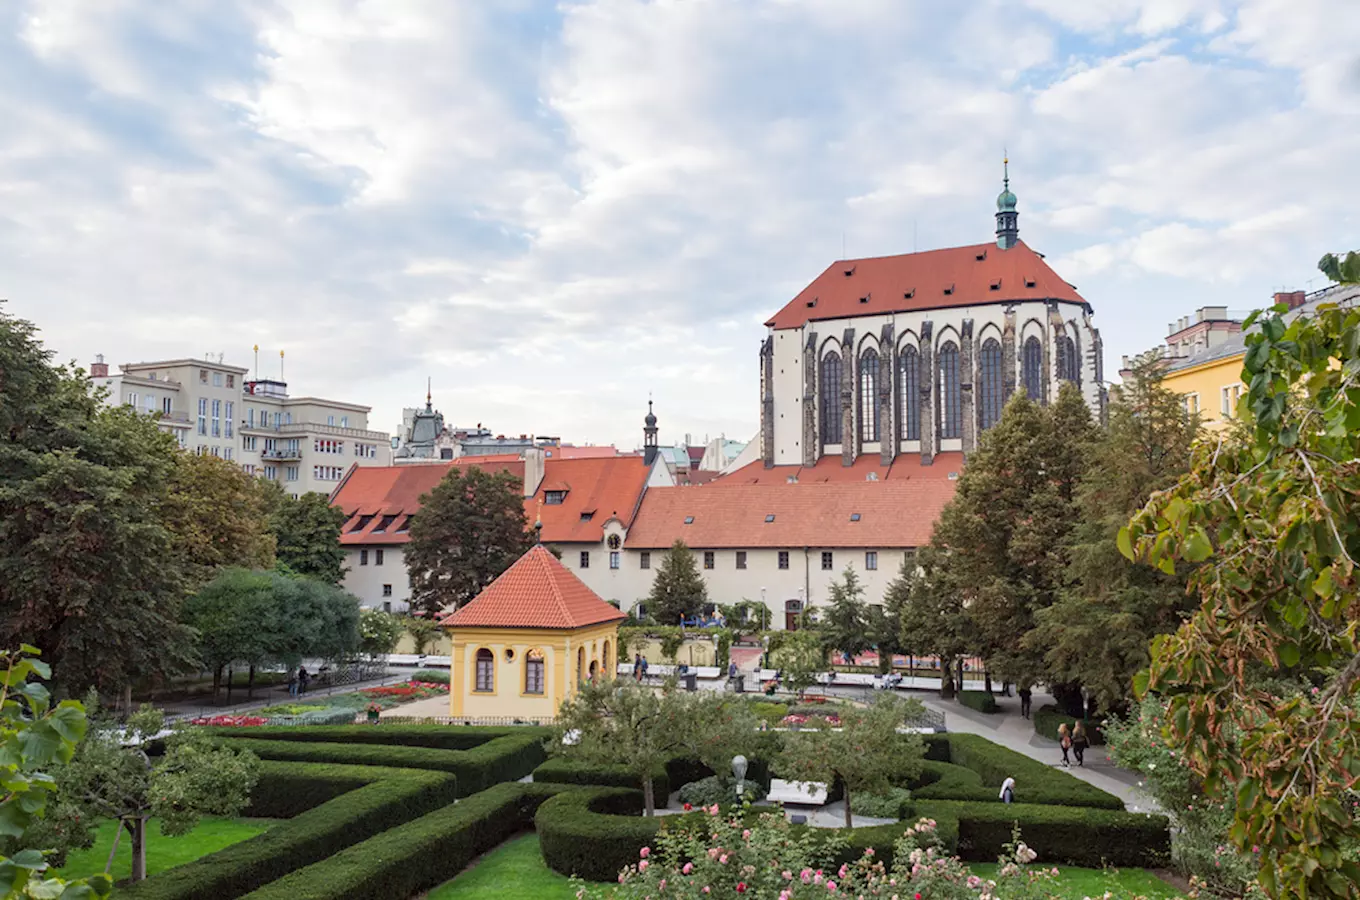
(790, 621)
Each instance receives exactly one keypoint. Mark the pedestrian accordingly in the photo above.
(1080, 742)
(1026, 696)
(303, 677)
(644, 668)
(732, 673)
(1008, 790)
(1064, 741)
(637, 666)
(292, 683)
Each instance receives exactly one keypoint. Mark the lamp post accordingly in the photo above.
(739, 770)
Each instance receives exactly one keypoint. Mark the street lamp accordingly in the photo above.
(739, 770)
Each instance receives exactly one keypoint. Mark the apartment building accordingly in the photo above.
(301, 443)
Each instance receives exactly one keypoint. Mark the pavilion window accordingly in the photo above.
(1032, 369)
(989, 387)
(951, 414)
(486, 671)
(909, 385)
(868, 396)
(533, 672)
(831, 399)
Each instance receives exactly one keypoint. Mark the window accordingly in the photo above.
(248, 468)
(909, 384)
(1032, 368)
(645, 559)
(165, 405)
(226, 453)
(378, 557)
(554, 498)
(202, 415)
(989, 383)
(131, 399)
(783, 559)
(741, 559)
(868, 396)
(585, 559)
(871, 560)
(231, 414)
(250, 416)
(1067, 360)
(217, 418)
(363, 557)
(1192, 404)
(854, 517)
(486, 671)
(387, 590)
(150, 404)
(831, 399)
(827, 562)
(708, 559)
(203, 376)
(231, 381)
(689, 520)
(271, 472)
(950, 414)
(1228, 398)
(533, 672)
(248, 443)
(217, 379)
(344, 421)
(387, 606)
(769, 518)
(217, 451)
(330, 420)
(613, 559)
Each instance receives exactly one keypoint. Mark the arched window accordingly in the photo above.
(1032, 369)
(831, 399)
(951, 415)
(533, 672)
(989, 383)
(486, 671)
(868, 396)
(1067, 360)
(909, 384)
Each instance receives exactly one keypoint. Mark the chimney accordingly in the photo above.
(1291, 299)
(99, 368)
(533, 470)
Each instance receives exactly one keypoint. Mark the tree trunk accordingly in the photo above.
(849, 819)
(960, 666)
(127, 699)
(250, 683)
(987, 676)
(217, 684)
(231, 676)
(946, 679)
(648, 796)
(1069, 700)
(139, 849)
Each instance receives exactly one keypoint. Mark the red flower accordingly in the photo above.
(688, 807)
(741, 887)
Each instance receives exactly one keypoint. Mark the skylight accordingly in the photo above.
(770, 517)
(854, 517)
(689, 520)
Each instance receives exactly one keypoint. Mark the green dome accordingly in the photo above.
(1005, 201)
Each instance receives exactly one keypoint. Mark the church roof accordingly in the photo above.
(868, 467)
(934, 279)
(535, 592)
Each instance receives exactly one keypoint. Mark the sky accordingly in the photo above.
(555, 211)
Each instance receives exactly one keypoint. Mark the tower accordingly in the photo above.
(1007, 219)
(649, 436)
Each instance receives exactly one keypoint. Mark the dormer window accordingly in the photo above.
(949, 290)
(554, 498)
(769, 518)
(811, 303)
(689, 520)
(981, 255)
(996, 285)
(850, 271)
(872, 476)
(1029, 282)
(385, 524)
(865, 298)
(587, 516)
(908, 293)
(854, 517)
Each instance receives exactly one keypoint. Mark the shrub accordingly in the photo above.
(564, 771)
(593, 832)
(883, 806)
(442, 737)
(982, 701)
(432, 676)
(1048, 718)
(715, 789)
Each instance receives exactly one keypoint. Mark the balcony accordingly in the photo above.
(313, 428)
(285, 454)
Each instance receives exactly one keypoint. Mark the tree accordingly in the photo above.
(678, 590)
(800, 657)
(219, 516)
(845, 623)
(111, 776)
(933, 620)
(1098, 631)
(621, 723)
(1276, 520)
(319, 620)
(238, 617)
(306, 534)
(34, 737)
(866, 753)
(89, 571)
(469, 530)
(379, 632)
(424, 632)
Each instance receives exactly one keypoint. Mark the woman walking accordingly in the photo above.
(1064, 741)
(1079, 742)
(1008, 790)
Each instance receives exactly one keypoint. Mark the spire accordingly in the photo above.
(1007, 219)
(649, 449)
(429, 393)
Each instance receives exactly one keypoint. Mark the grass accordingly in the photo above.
(211, 835)
(1078, 883)
(513, 870)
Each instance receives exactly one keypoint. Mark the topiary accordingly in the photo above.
(715, 789)
(882, 806)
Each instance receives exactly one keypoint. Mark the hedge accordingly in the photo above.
(1048, 718)
(419, 855)
(982, 701)
(440, 737)
(567, 771)
(593, 832)
(391, 797)
(1035, 781)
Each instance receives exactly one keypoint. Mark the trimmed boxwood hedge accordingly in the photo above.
(593, 832)
(1048, 718)
(982, 701)
(564, 771)
(440, 737)
(389, 798)
(1035, 782)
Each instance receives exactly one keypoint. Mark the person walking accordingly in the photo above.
(303, 677)
(1008, 790)
(1064, 741)
(637, 666)
(292, 683)
(1079, 743)
(644, 668)
(732, 674)
(1026, 698)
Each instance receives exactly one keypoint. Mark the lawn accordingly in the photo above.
(513, 870)
(1078, 883)
(211, 835)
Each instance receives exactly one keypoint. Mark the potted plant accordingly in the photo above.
(374, 710)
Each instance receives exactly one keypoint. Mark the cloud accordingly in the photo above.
(554, 211)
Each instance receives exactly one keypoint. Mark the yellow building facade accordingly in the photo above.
(524, 644)
(1211, 385)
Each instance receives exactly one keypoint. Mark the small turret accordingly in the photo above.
(1007, 219)
(649, 449)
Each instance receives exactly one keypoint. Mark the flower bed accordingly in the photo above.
(797, 719)
(230, 721)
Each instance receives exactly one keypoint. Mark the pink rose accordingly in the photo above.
(712, 852)
(806, 876)
(645, 852)
(705, 889)
(689, 867)
(642, 866)
(831, 887)
(722, 860)
(746, 834)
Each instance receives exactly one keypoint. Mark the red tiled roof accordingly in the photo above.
(892, 513)
(917, 281)
(535, 592)
(829, 469)
(581, 452)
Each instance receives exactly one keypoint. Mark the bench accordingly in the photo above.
(796, 793)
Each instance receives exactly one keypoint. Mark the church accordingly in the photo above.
(916, 354)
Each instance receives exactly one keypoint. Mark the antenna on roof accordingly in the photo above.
(257, 362)
(280, 365)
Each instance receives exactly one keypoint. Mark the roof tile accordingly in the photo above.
(535, 592)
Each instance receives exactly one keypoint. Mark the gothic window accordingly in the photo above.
(989, 383)
(868, 396)
(951, 414)
(1067, 360)
(909, 383)
(1032, 369)
(831, 399)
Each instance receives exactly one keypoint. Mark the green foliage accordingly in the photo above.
(379, 631)
(864, 754)
(470, 529)
(594, 832)
(219, 516)
(1035, 782)
(1343, 270)
(1276, 515)
(891, 804)
(678, 590)
(559, 770)
(982, 701)
(845, 625)
(932, 619)
(306, 534)
(431, 676)
(424, 632)
(721, 790)
(800, 657)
